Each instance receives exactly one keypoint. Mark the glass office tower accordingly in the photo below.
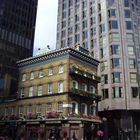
(110, 30)
(17, 27)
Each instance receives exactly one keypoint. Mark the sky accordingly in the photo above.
(46, 24)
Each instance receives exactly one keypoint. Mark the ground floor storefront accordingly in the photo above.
(58, 129)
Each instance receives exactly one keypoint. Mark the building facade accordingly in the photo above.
(57, 95)
(17, 27)
(110, 29)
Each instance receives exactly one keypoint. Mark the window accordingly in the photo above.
(49, 107)
(92, 89)
(115, 49)
(83, 109)
(117, 92)
(85, 24)
(129, 38)
(38, 108)
(132, 64)
(74, 107)
(50, 88)
(127, 13)
(128, 25)
(29, 109)
(40, 90)
(31, 76)
(85, 35)
(21, 109)
(22, 92)
(92, 110)
(77, 38)
(134, 91)
(131, 50)
(31, 90)
(126, 3)
(84, 87)
(112, 13)
(133, 77)
(60, 107)
(61, 68)
(116, 63)
(113, 24)
(104, 79)
(40, 74)
(13, 112)
(105, 93)
(75, 84)
(24, 77)
(114, 37)
(116, 77)
(60, 86)
(50, 71)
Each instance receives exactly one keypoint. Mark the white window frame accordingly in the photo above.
(40, 74)
(61, 68)
(49, 107)
(50, 71)
(84, 87)
(39, 90)
(38, 108)
(32, 76)
(31, 90)
(60, 86)
(22, 92)
(76, 84)
(93, 89)
(24, 77)
(85, 109)
(60, 107)
(50, 89)
(76, 107)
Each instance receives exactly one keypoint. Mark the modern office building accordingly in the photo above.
(17, 27)
(110, 29)
(57, 91)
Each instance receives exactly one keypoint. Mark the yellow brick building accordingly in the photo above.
(60, 84)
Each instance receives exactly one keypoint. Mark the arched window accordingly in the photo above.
(83, 109)
(92, 110)
(74, 84)
(32, 75)
(84, 87)
(74, 107)
(92, 89)
(24, 77)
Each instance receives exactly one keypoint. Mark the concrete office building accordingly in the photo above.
(17, 27)
(110, 29)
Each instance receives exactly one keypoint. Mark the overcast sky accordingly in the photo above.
(46, 24)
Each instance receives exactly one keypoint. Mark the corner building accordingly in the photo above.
(17, 27)
(110, 30)
(57, 91)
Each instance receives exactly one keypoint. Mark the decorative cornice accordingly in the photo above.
(58, 53)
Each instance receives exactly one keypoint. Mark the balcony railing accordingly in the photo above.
(76, 71)
(85, 93)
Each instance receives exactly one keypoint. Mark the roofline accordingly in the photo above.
(69, 49)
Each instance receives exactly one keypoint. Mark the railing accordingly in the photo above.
(84, 93)
(77, 71)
